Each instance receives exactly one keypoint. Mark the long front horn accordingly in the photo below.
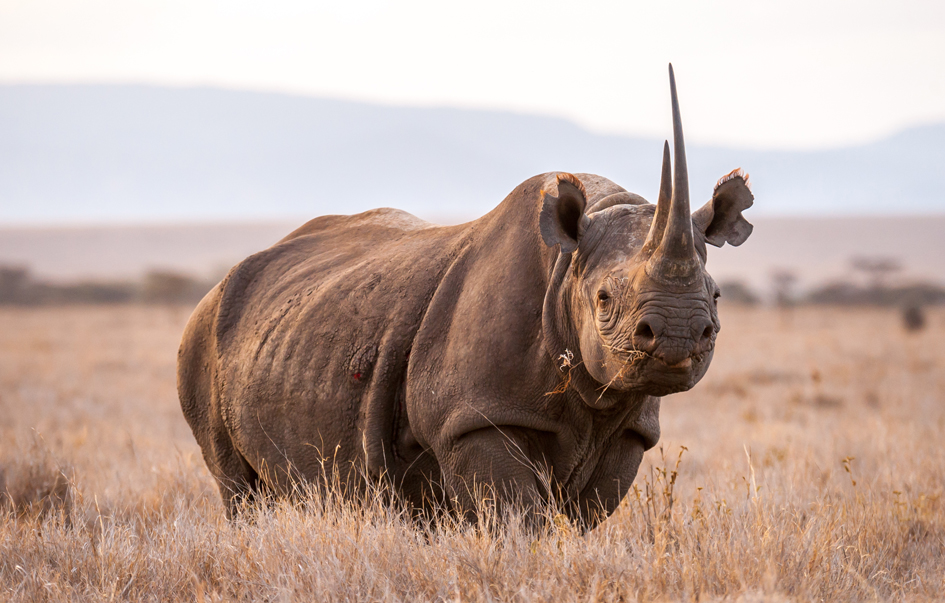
(674, 260)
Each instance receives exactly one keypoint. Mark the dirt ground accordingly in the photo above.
(807, 465)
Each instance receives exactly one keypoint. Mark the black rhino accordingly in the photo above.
(536, 339)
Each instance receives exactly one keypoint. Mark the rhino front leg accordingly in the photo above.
(493, 469)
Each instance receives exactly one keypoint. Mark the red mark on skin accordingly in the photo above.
(356, 375)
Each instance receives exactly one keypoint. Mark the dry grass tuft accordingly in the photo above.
(757, 492)
(34, 485)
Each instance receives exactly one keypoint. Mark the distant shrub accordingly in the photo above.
(849, 294)
(171, 287)
(913, 317)
(17, 287)
(14, 281)
(737, 292)
(83, 293)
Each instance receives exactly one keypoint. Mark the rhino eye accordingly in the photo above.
(603, 297)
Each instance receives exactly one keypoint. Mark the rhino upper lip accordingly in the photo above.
(685, 363)
(682, 364)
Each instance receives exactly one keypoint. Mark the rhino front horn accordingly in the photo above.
(674, 259)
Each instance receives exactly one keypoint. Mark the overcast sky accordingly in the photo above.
(800, 74)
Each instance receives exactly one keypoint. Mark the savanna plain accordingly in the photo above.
(808, 465)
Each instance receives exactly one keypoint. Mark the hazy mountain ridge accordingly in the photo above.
(90, 153)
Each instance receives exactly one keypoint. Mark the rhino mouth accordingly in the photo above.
(643, 371)
(685, 364)
(635, 358)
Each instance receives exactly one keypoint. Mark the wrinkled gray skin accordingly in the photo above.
(378, 344)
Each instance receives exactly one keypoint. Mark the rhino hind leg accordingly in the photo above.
(238, 482)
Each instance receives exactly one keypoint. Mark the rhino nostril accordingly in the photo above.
(707, 333)
(644, 331)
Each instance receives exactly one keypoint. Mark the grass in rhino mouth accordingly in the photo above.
(633, 357)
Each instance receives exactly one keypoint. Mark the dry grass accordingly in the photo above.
(813, 470)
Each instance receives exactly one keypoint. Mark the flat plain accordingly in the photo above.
(816, 250)
(807, 466)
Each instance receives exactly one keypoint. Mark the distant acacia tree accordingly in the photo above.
(737, 292)
(878, 270)
(782, 282)
(13, 284)
(160, 286)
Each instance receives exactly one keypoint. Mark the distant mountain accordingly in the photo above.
(98, 153)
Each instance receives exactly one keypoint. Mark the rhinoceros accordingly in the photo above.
(525, 351)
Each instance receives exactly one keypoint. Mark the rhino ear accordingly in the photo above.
(720, 220)
(562, 220)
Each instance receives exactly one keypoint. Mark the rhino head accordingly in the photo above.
(636, 297)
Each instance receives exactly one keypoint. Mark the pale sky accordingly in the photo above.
(801, 74)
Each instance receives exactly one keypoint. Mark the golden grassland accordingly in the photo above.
(807, 465)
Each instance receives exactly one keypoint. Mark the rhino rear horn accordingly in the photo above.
(562, 220)
(655, 235)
